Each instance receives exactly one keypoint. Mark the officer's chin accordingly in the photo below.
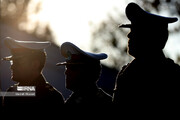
(131, 52)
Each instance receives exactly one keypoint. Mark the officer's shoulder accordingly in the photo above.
(49, 87)
(53, 92)
(102, 93)
(104, 97)
(124, 67)
(171, 63)
(12, 88)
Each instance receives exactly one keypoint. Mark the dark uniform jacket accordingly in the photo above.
(46, 96)
(91, 96)
(154, 82)
(1, 101)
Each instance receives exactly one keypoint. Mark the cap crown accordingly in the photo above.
(34, 45)
(140, 17)
(24, 48)
(72, 53)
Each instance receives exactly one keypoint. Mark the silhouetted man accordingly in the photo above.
(151, 79)
(83, 70)
(27, 63)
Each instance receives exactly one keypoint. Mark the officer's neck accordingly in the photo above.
(159, 55)
(86, 88)
(32, 81)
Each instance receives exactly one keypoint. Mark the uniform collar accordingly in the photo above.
(40, 81)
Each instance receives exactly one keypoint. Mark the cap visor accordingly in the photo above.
(8, 58)
(67, 63)
(125, 26)
(61, 63)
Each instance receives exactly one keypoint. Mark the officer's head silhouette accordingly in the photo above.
(82, 68)
(27, 58)
(149, 32)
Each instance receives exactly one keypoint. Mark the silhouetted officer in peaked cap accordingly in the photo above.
(83, 70)
(27, 62)
(151, 79)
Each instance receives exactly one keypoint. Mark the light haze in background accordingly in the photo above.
(70, 21)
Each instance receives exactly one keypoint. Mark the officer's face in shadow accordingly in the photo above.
(80, 76)
(74, 75)
(146, 40)
(22, 70)
(135, 42)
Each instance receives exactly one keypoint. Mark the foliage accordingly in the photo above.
(14, 13)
